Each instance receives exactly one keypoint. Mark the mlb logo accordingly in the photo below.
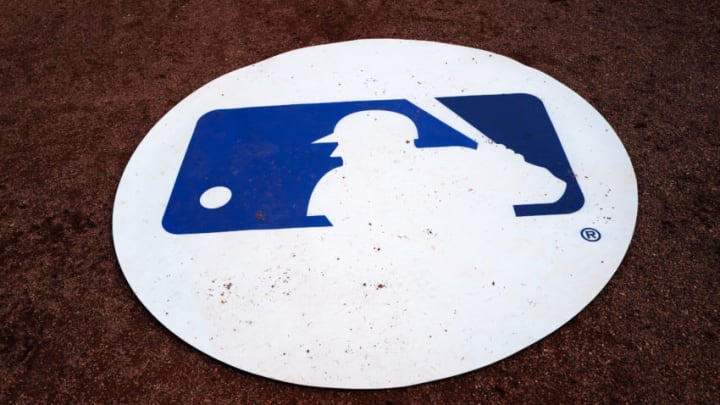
(374, 213)
(270, 158)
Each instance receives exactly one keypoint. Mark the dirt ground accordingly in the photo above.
(81, 83)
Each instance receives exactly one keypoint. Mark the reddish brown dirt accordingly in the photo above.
(83, 82)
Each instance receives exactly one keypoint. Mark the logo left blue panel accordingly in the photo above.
(266, 157)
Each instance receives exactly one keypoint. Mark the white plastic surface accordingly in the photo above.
(416, 280)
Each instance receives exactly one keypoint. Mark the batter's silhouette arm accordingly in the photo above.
(520, 122)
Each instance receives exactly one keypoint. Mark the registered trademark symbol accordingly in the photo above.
(590, 234)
